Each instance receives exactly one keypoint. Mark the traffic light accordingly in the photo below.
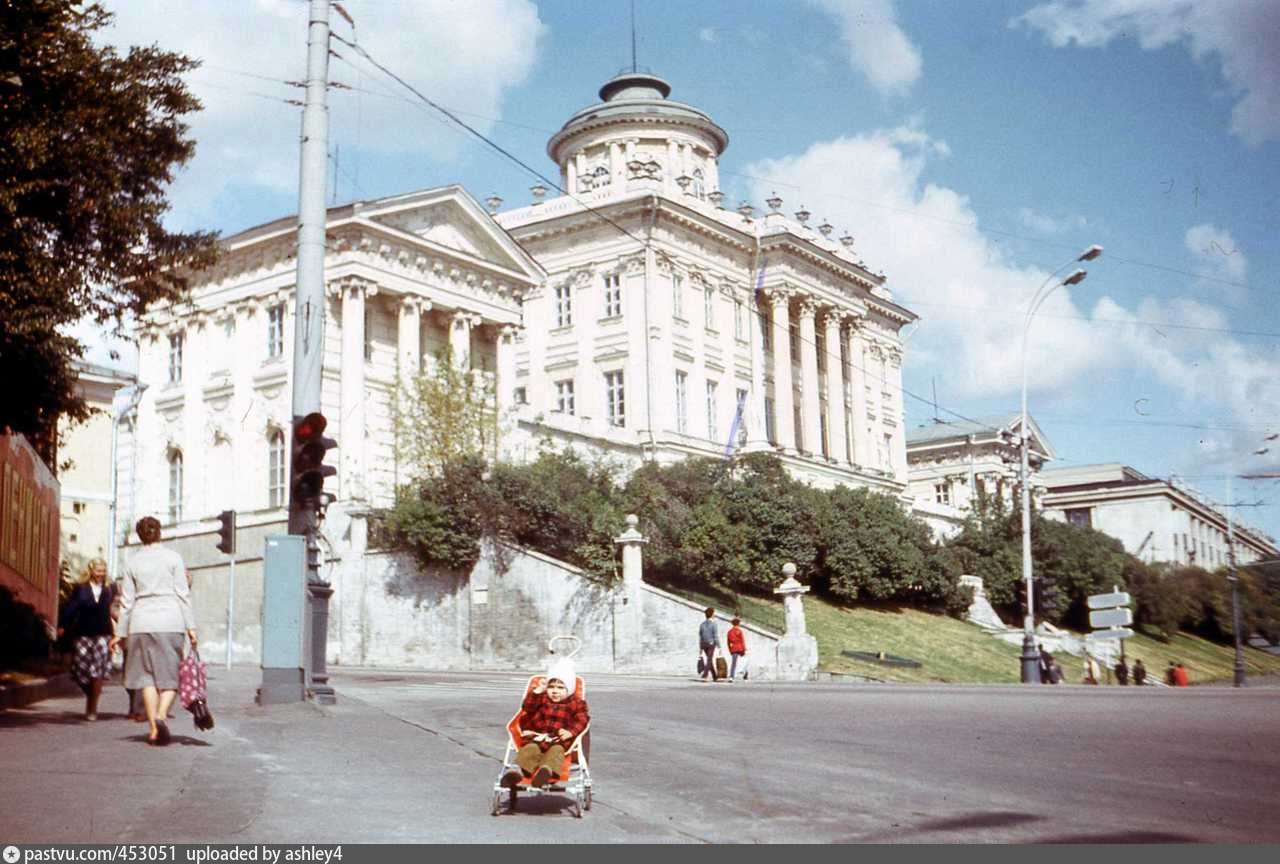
(227, 532)
(307, 470)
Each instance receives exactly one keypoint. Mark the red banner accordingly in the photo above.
(29, 520)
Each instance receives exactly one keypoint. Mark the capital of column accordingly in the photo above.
(507, 333)
(353, 287)
(778, 297)
(414, 305)
(463, 319)
(806, 306)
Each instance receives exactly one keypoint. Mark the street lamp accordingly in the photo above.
(1030, 656)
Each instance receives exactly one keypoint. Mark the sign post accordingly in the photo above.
(1110, 616)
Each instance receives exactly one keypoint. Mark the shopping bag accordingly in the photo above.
(192, 682)
(722, 668)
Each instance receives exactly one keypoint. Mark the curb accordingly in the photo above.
(20, 695)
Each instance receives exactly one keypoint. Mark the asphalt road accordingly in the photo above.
(876, 763)
(412, 757)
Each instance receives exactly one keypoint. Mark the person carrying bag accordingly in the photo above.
(193, 689)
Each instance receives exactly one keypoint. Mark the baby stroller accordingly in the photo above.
(574, 777)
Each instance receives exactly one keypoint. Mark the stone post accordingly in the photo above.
(797, 650)
(627, 601)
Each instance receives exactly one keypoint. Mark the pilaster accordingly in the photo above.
(836, 434)
(810, 404)
(783, 395)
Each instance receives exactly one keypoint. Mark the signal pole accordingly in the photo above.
(308, 343)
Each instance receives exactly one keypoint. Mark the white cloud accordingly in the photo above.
(1216, 255)
(971, 295)
(709, 35)
(1043, 223)
(463, 55)
(1239, 35)
(877, 46)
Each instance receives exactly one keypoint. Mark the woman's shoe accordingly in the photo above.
(162, 734)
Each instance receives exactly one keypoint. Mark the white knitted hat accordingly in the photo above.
(563, 670)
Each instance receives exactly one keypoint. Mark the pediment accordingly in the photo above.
(452, 219)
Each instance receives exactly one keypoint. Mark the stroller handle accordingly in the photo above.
(577, 643)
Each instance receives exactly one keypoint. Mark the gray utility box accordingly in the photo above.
(284, 603)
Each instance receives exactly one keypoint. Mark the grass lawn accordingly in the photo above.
(956, 651)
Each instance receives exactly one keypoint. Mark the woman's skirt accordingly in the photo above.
(152, 660)
(91, 660)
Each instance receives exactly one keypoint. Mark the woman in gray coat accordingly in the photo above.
(156, 617)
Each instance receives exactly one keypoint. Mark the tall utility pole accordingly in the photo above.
(308, 354)
(1234, 579)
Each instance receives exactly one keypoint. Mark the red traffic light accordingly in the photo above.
(311, 427)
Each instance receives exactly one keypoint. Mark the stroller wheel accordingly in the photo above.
(578, 805)
(586, 798)
(496, 804)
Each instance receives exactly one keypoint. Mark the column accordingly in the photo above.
(756, 438)
(862, 455)
(352, 430)
(505, 375)
(783, 399)
(460, 337)
(835, 389)
(898, 456)
(810, 406)
(409, 338)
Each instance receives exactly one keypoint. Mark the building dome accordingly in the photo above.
(636, 121)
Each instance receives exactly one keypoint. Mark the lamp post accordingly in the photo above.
(1030, 655)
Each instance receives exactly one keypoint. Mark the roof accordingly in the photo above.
(944, 430)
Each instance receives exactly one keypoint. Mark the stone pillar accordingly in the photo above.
(756, 438)
(835, 389)
(862, 454)
(797, 650)
(573, 170)
(617, 166)
(810, 405)
(352, 430)
(628, 602)
(672, 171)
(898, 454)
(783, 399)
(460, 338)
(410, 338)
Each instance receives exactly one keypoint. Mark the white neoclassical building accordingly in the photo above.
(633, 316)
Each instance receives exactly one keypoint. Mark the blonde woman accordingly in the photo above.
(87, 619)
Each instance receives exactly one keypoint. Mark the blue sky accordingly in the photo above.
(970, 148)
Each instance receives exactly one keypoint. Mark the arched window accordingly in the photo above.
(175, 486)
(276, 469)
(699, 185)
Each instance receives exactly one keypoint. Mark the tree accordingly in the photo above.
(88, 142)
(444, 415)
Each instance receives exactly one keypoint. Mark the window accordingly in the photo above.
(612, 295)
(709, 307)
(942, 492)
(175, 487)
(770, 427)
(275, 330)
(766, 329)
(713, 431)
(564, 305)
(682, 403)
(699, 185)
(677, 296)
(616, 398)
(820, 343)
(739, 320)
(739, 417)
(175, 358)
(77, 507)
(520, 396)
(822, 434)
(793, 332)
(564, 396)
(275, 472)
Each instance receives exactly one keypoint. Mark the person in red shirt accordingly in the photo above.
(1180, 677)
(736, 640)
(553, 717)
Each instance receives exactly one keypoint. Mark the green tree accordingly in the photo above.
(443, 415)
(88, 141)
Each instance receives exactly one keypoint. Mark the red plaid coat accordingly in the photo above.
(543, 715)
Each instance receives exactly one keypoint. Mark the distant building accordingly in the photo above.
(86, 483)
(1156, 520)
(954, 464)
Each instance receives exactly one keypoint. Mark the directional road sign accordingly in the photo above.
(1113, 633)
(1110, 617)
(1108, 601)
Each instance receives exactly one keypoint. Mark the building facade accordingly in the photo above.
(1156, 520)
(634, 317)
(953, 465)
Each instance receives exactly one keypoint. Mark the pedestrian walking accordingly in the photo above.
(1091, 669)
(1122, 672)
(1046, 666)
(736, 641)
(1180, 677)
(86, 621)
(1139, 673)
(1171, 676)
(156, 617)
(708, 638)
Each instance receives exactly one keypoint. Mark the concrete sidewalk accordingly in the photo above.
(283, 774)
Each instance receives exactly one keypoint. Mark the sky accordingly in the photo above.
(972, 149)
